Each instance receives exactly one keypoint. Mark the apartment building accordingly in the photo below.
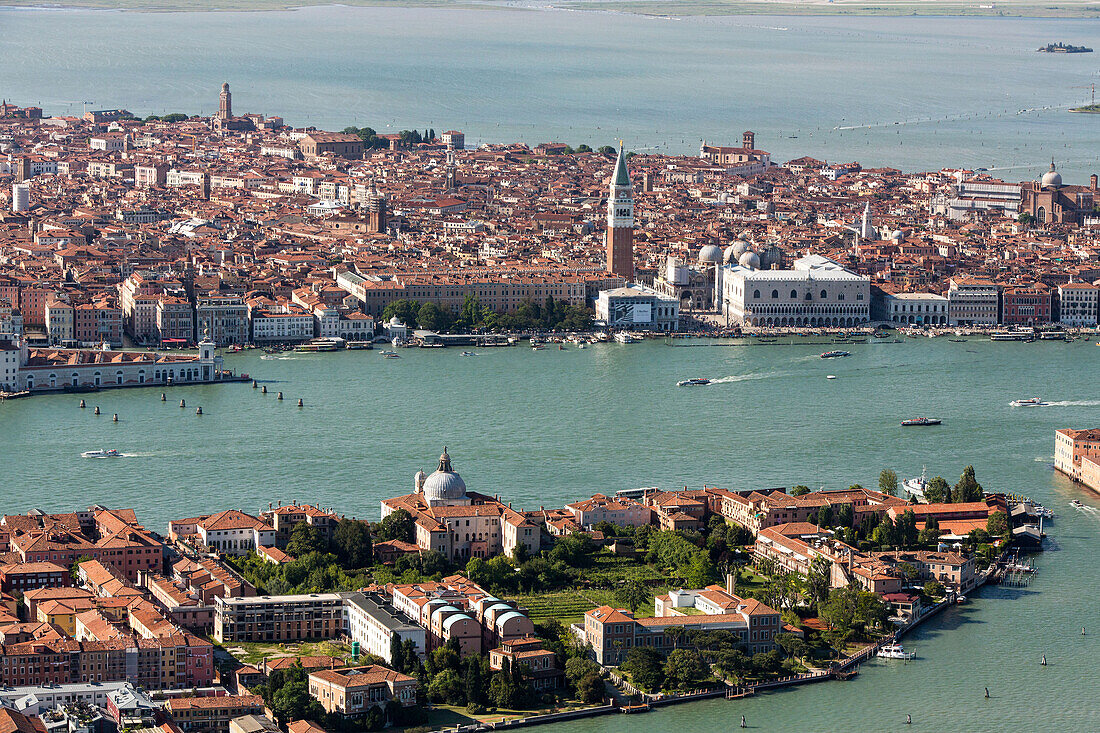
(352, 692)
(306, 617)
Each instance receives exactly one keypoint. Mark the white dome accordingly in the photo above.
(1052, 178)
(735, 250)
(749, 259)
(710, 254)
(897, 235)
(444, 484)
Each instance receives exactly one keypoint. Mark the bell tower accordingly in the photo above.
(225, 108)
(620, 222)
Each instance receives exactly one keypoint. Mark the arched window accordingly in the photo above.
(1041, 214)
(76, 379)
(840, 296)
(794, 294)
(756, 293)
(775, 294)
(824, 295)
(53, 380)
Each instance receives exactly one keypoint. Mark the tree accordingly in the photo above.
(433, 318)
(397, 525)
(632, 595)
(931, 532)
(645, 667)
(74, 571)
(888, 482)
(792, 645)
(590, 688)
(818, 579)
(968, 488)
(404, 310)
(934, 589)
(800, 490)
(997, 524)
(475, 689)
(607, 150)
(352, 543)
(304, 539)
(293, 702)
(905, 529)
(582, 148)
(937, 490)
(685, 669)
(579, 673)
(977, 536)
(701, 571)
(446, 686)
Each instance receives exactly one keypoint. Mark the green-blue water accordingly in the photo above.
(546, 427)
(936, 91)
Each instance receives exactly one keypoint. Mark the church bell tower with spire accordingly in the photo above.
(620, 222)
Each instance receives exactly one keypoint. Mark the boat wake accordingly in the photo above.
(272, 357)
(1073, 403)
(744, 377)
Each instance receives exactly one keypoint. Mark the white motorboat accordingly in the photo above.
(830, 376)
(895, 651)
(110, 453)
(694, 382)
(624, 338)
(915, 487)
(468, 353)
(1029, 402)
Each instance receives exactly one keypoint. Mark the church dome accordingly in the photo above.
(735, 250)
(898, 235)
(444, 484)
(749, 259)
(1052, 178)
(710, 254)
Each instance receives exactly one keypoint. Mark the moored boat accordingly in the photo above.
(894, 651)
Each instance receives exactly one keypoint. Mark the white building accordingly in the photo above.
(233, 532)
(816, 292)
(281, 324)
(1077, 304)
(374, 623)
(637, 307)
(916, 308)
(20, 197)
(9, 366)
(972, 302)
(223, 317)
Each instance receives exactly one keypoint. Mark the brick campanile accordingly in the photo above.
(620, 222)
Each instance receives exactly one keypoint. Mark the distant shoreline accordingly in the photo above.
(658, 9)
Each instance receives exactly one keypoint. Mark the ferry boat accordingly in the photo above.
(895, 651)
(1006, 336)
(357, 345)
(694, 382)
(321, 344)
(110, 453)
(920, 422)
(1029, 402)
(623, 337)
(835, 354)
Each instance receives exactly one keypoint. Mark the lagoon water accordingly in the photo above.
(914, 93)
(546, 427)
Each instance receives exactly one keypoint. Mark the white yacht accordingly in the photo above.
(1029, 402)
(110, 453)
(624, 338)
(895, 651)
(914, 487)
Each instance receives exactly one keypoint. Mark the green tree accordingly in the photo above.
(818, 579)
(582, 148)
(997, 524)
(685, 669)
(293, 702)
(633, 595)
(977, 536)
(433, 318)
(645, 667)
(304, 539)
(397, 525)
(968, 488)
(607, 150)
(888, 482)
(352, 543)
(404, 310)
(934, 589)
(701, 571)
(590, 688)
(475, 688)
(446, 686)
(937, 490)
(800, 490)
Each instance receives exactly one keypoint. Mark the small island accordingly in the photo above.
(1063, 48)
(1089, 109)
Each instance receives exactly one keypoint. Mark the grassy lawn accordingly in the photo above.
(452, 715)
(255, 652)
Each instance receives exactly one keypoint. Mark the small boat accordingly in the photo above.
(392, 355)
(388, 352)
(920, 422)
(960, 599)
(830, 376)
(1076, 504)
(110, 453)
(468, 353)
(357, 345)
(957, 341)
(895, 651)
(1029, 402)
(623, 337)
(694, 382)
(835, 354)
